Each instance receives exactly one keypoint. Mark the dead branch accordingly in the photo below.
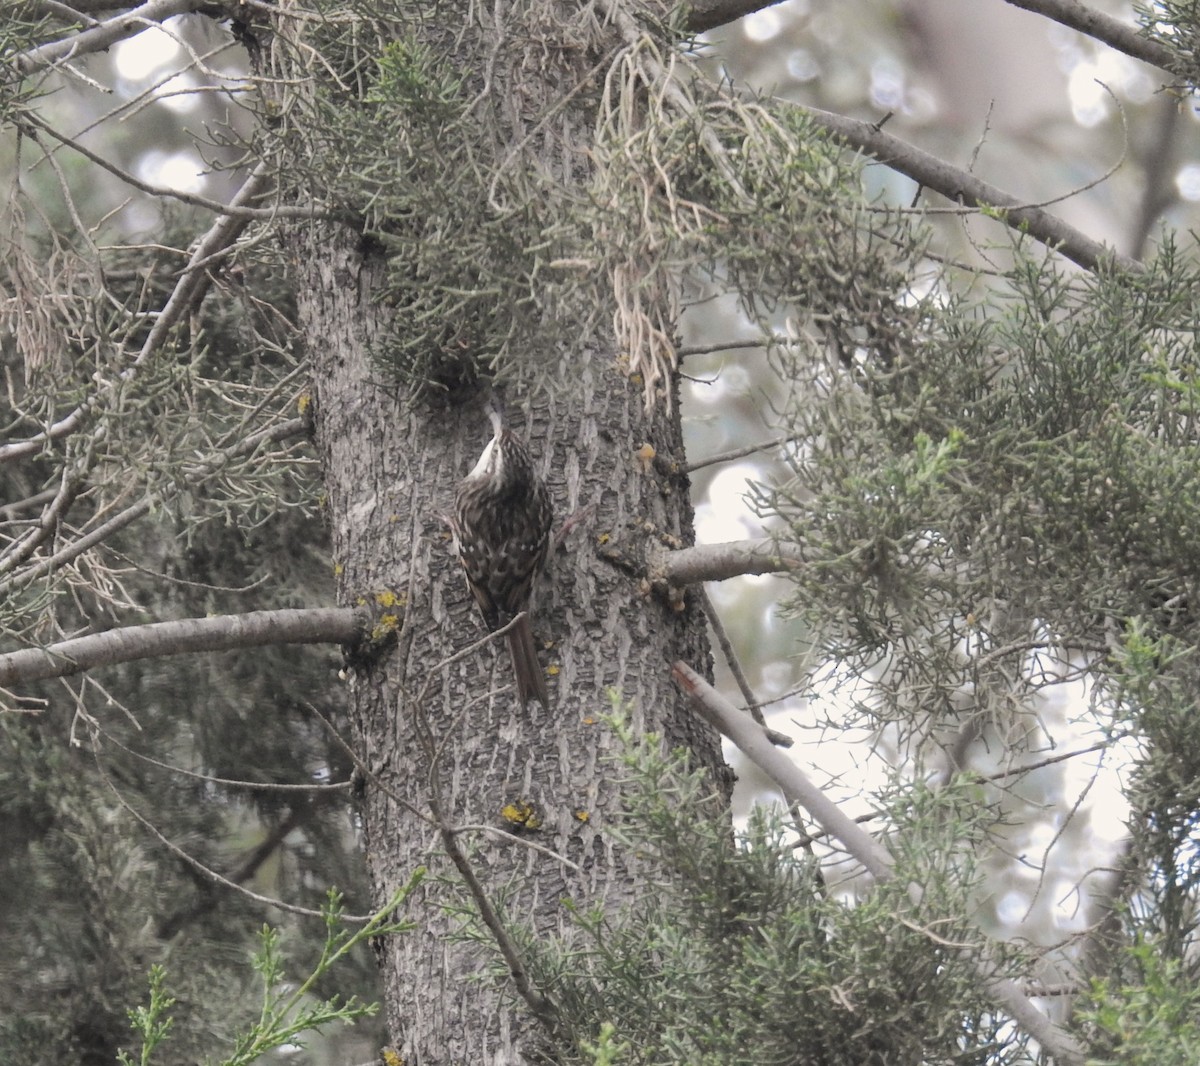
(798, 788)
(718, 562)
(102, 36)
(964, 188)
(318, 625)
(1113, 32)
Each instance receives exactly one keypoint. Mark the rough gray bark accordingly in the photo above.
(391, 465)
(454, 740)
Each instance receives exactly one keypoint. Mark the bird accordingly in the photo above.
(502, 520)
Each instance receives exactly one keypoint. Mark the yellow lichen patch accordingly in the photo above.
(387, 598)
(521, 814)
(304, 402)
(388, 623)
(583, 816)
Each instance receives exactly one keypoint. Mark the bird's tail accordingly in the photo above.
(531, 681)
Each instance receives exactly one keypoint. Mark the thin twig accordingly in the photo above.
(543, 1009)
(729, 346)
(162, 191)
(462, 653)
(735, 668)
(225, 782)
(365, 770)
(207, 871)
(1050, 760)
(187, 294)
(512, 838)
(739, 453)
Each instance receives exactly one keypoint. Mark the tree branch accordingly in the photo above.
(320, 625)
(102, 36)
(752, 741)
(46, 8)
(1159, 161)
(719, 562)
(738, 453)
(705, 15)
(542, 1007)
(188, 292)
(956, 184)
(207, 898)
(960, 186)
(753, 707)
(194, 473)
(952, 182)
(210, 873)
(1104, 28)
(162, 191)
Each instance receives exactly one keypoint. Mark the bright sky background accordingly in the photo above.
(146, 62)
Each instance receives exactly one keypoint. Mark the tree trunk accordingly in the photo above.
(453, 739)
(391, 465)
